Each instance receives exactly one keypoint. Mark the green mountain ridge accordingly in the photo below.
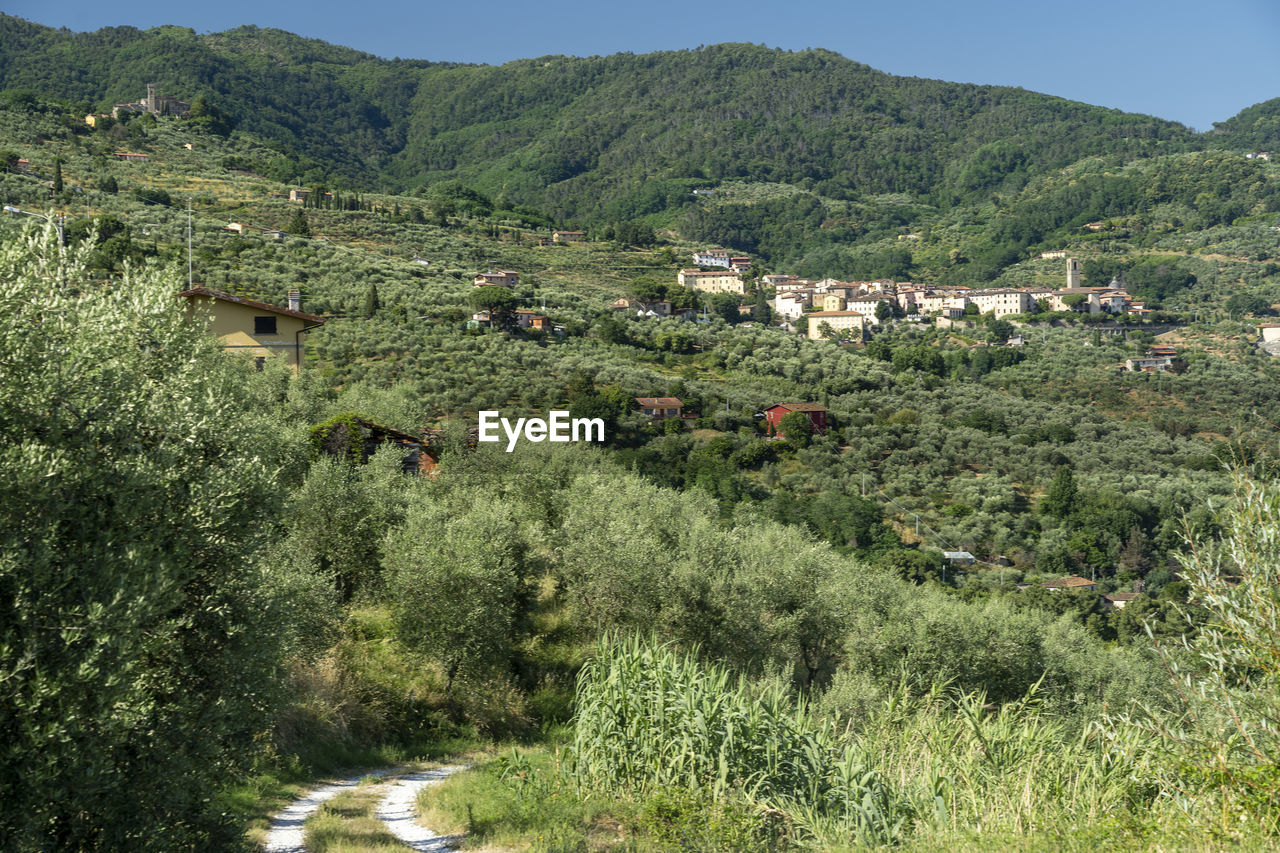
(598, 139)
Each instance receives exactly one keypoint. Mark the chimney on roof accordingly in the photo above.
(295, 300)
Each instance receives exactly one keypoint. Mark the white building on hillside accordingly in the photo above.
(712, 258)
(841, 324)
(713, 281)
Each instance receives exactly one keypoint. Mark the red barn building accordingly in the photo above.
(816, 414)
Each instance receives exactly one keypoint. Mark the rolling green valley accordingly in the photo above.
(719, 449)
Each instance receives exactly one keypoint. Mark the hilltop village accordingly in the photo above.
(849, 311)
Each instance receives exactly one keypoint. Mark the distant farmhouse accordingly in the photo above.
(642, 307)
(660, 407)
(816, 414)
(527, 319)
(497, 278)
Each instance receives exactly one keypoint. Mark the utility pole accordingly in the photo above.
(59, 221)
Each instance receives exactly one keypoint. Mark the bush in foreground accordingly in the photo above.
(137, 469)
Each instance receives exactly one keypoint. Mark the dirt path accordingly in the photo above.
(398, 811)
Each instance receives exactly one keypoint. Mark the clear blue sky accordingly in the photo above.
(1191, 61)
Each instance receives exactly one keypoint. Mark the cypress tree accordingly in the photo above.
(1060, 500)
(299, 225)
(57, 175)
(763, 313)
(371, 303)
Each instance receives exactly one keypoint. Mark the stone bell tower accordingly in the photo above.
(1073, 272)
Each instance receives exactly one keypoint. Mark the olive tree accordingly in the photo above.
(454, 573)
(1219, 755)
(138, 487)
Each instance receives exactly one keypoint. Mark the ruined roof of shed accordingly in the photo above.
(375, 427)
(249, 303)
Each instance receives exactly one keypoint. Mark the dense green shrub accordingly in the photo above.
(139, 641)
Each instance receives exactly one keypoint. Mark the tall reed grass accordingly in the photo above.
(941, 769)
(650, 720)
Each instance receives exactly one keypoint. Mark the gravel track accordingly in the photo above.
(398, 810)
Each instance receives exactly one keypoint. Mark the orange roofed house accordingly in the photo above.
(660, 407)
(255, 328)
(816, 414)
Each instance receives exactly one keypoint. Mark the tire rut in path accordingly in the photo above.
(398, 809)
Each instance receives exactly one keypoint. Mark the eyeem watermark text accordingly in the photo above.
(558, 427)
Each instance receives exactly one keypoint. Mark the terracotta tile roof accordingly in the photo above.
(249, 303)
(799, 407)
(1072, 582)
(659, 403)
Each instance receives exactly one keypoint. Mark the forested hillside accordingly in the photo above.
(596, 138)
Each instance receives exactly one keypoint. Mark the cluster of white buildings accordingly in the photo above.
(718, 271)
(854, 304)
(842, 307)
